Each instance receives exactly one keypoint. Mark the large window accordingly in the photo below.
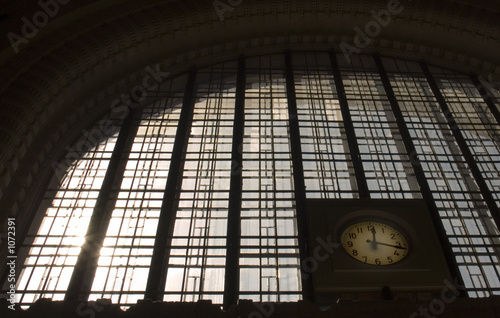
(182, 172)
(53, 244)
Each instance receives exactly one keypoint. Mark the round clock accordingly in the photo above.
(374, 243)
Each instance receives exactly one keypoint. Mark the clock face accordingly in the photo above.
(374, 243)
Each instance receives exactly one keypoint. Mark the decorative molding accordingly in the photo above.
(63, 80)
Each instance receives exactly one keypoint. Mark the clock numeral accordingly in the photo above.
(354, 237)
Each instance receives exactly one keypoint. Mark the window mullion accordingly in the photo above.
(298, 177)
(487, 96)
(161, 252)
(462, 144)
(364, 193)
(232, 280)
(419, 173)
(86, 265)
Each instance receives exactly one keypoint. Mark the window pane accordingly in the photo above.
(55, 245)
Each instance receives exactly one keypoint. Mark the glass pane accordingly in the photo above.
(198, 255)
(123, 265)
(268, 225)
(328, 169)
(56, 243)
(468, 223)
(387, 168)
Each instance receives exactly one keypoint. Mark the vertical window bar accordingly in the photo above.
(52, 244)
(482, 119)
(328, 169)
(485, 192)
(298, 176)
(161, 251)
(269, 253)
(125, 257)
(197, 258)
(419, 174)
(386, 166)
(364, 193)
(231, 287)
(463, 212)
(487, 96)
(83, 274)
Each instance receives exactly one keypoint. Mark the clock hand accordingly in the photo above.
(395, 246)
(374, 242)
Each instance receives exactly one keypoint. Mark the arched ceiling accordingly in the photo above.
(66, 73)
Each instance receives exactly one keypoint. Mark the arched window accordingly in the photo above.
(199, 192)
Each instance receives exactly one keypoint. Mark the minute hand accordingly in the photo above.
(395, 246)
